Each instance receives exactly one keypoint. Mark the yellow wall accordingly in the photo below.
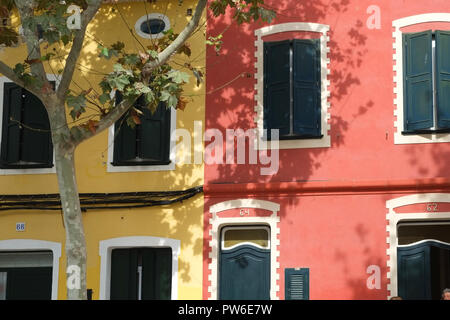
(180, 221)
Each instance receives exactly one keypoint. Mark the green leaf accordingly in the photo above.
(105, 97)
(179, 77)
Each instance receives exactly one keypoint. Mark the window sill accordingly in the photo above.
(140, 163)
(24, 166)
(416, 132)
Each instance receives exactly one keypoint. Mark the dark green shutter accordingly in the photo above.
(155, 134)
(12, 116)
(124, 139)
(413, 267)
(418, 81)
(443, 78)
(36, 138)
(156, 273)
(306, 87)
(124, 276)
(277, 87)
(34, 283)
(296, 283)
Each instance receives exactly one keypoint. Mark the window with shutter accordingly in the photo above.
(426, 77)
(296, 284)
(292, 83)
(148, 143)
(26, 137)
(141, 274)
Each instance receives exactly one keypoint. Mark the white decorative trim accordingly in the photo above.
(398, 80)
(3, 80)
(218, 222)
(393, 220)
(137, 26)
(35, 245)
(325, 141)
(106, 246)
(172, 151)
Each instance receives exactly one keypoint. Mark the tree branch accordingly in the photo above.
(178, 42)
(107, 121)
(75, 51)
(10, 74)
(26, 8)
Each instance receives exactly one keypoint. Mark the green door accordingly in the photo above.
(244, 270)
(423, 270)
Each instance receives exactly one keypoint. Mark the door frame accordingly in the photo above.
(217, 223)
(37, 245)
(394, 219)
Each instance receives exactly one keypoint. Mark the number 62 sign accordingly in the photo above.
(432, 207)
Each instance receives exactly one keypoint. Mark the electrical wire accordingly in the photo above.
(98, 201)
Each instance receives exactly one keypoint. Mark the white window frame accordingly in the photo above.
(172, 151)
(394, 219)
(325, 141)
(137, 26)
(105, 250)
(3, 80)
(37, 245)
(217, 223)
(398, 80)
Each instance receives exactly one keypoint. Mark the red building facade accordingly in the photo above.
(354, 202)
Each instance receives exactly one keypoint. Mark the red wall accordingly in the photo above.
(338, 227)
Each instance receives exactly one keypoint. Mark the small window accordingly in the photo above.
(426, 82)
(25, 138)
(148, 143)
(152, 26)
(292, 88)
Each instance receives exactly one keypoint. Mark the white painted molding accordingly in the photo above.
(106, 247)
(37, 245)
(325, 141)
(398, 80)
(393, 221)
(137, 26)
(3, 80)
(172, 151)
(217, 223)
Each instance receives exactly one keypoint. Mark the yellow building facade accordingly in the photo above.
(177, 226)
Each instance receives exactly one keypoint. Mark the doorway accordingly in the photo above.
(423, 259)
(244, 263)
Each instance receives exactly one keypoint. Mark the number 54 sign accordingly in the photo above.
(74, 20)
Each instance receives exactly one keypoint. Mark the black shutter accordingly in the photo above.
(296, 283)
(443, 78)
(124, 139)
(155, 134)
(124, 276)
(12, 116)
(418, 81)
(277, 88)
(156, 273)
(36, 137)
(306, 87)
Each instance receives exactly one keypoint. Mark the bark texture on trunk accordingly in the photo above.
(75, 246)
